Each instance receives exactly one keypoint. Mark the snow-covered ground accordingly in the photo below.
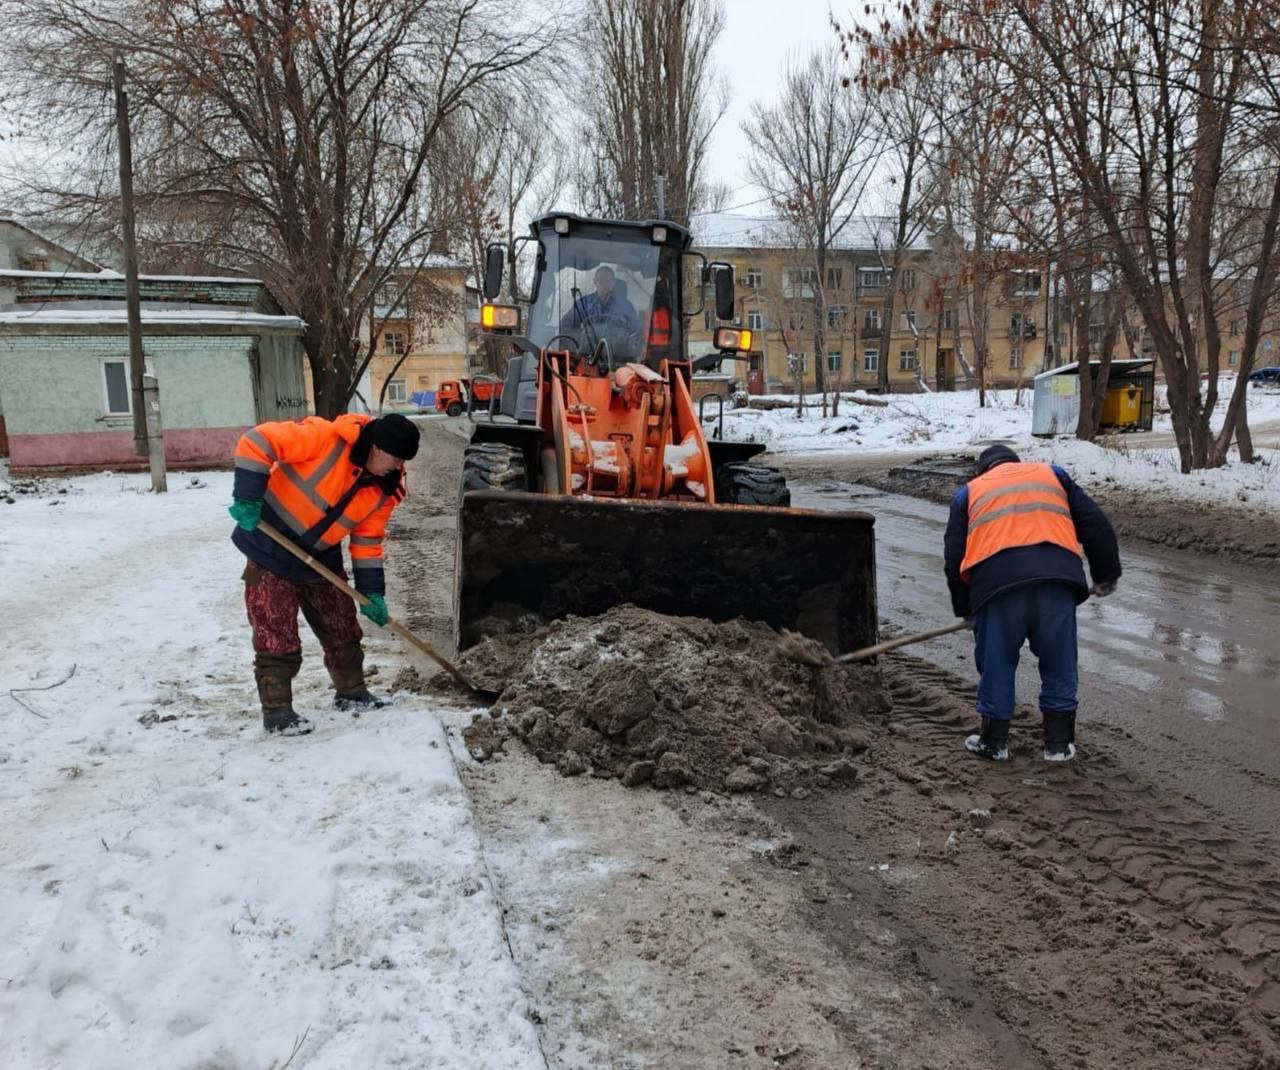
(178, 889)
(945, 422)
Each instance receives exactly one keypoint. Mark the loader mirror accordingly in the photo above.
(493, 258)
(724, 292)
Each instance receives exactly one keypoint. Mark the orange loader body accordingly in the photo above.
(594, 484)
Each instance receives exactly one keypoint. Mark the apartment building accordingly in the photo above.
(934, 316)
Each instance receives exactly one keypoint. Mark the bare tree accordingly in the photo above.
(289, 138)
(1190, 113)
(905, 109)
(651, 100)
(813, 151)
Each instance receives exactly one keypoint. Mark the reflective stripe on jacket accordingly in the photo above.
(1016, 505)
(313, 493)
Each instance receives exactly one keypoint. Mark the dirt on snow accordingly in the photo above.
(674, 702)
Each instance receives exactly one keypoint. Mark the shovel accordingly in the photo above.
(798, 648)
(902, 640)
(480, 693)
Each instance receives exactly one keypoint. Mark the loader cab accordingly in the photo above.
(608, 292)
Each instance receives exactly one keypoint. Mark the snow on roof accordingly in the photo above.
(52, 314)
(107, 274)
(720, 230)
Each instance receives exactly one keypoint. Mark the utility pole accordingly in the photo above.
(145, 403)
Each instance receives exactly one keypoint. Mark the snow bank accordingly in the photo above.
(906, 422)
(180, 890)
(1157, 471)
(939, 421)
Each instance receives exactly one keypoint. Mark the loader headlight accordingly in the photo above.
(499, 317)
(732, 339)
(659, 235)
(561, 225)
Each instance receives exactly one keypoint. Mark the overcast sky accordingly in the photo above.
(758, 37)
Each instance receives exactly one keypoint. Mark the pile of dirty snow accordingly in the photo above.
(674, 702)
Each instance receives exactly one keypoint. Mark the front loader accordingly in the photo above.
(592, 483)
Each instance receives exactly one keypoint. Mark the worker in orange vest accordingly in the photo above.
(1014, 546)
(319, 482)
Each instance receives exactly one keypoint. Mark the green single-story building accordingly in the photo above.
(224, 356)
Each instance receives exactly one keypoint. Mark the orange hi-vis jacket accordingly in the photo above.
(1013, 505)
(313, 493)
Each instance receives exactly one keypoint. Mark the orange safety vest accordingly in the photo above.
(309, 471)
(1014, 505)
(659, 328)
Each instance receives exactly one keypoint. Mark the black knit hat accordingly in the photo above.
(395, 435)
(994, 455)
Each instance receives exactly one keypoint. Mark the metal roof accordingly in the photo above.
(1121, 366)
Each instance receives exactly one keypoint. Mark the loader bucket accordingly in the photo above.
(554, 556)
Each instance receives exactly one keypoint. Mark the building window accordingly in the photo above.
(395, 390)
(755, 277)
(800, 282)
(1234, 328)
(947, 319)
(835, 315)
(796, 321)
(908, 279)
(115, 377)
(1233, 358)
(835, 278)
(754, 362)
(871, 360)
(1025, 283)
(1015, 358)
(909, 318)
(395, 343)
(796, 363)
(871, 321)
(1022, 326)
(870, 278)
(33, 263)
(908, 360)
(755, 320)
(834, 361)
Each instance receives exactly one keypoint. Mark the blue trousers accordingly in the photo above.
(1043, 614)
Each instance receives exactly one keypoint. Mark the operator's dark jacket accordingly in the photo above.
(1031, 564)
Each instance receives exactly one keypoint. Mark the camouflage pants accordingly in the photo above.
(273, 603)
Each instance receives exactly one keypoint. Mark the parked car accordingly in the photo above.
(1265, 376)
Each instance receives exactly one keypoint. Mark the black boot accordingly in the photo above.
(1059, 735)
(275, 673)
(284, 722)
(364, 699)
(991, 741)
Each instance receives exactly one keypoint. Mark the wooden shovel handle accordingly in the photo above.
(902, 640)
(360, 599)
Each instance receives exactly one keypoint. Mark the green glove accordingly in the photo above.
(246, 512)
(376, 610)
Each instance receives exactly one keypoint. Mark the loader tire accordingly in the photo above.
(752, 484)
(454, 409)
(493, 466)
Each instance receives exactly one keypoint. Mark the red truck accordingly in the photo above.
(451, 398)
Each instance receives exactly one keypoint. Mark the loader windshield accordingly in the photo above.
(608, 294)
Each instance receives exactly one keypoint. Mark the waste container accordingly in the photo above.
(1122, 407)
